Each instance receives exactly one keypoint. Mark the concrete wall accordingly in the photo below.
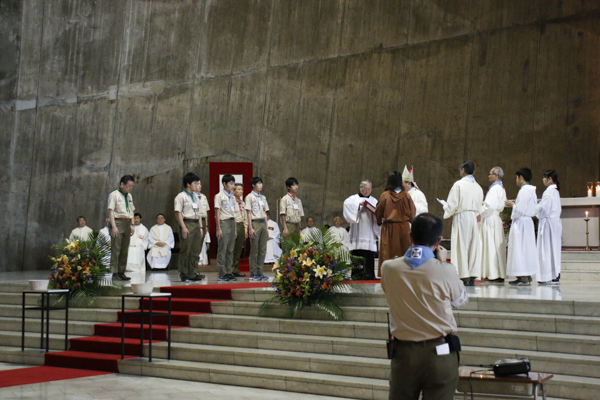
(329, 91)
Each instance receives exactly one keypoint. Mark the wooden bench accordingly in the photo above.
(484, 384)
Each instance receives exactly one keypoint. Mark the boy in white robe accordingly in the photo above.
(161, 242)
(205, 207)
(493, 243)
(364, 230)
(549, 242)
(105, 233)
(340, 234)
(136, 260)
(273, 249)
(418, 197)
(82, 232)
(522, 255)
(464, 205)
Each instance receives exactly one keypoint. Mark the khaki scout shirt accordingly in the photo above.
(240, 214)
(291, 207)
(204, 210)
(116, 202)
(257, 204)
(188, 206)
(226, 204)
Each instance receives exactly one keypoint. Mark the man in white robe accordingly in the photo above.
(493, 244)
(136, 257)
(418, 197)
(273, 249)
(549, 241)
(105, 234)
(82, 232)
(340, 234)
(364, 230)
(310, 228)
(464, 205)
(522, 259)
(204, 208)
(161, 242)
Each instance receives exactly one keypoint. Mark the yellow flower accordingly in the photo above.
(308, 262)
(302, 257)
(293, 253)
(306, 276)
(319, 271)
(72, 245)
(329, 272)
(64, 259)
(302, 236)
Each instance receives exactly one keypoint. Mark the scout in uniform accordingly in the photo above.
(290, 209)
(187, 212)
(241, 223)
(120, 212)
(257, 208)
(226, 229)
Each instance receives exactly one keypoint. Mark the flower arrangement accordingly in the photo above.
(80, 268)
(311, 274)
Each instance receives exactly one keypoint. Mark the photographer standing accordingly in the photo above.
(421, 291)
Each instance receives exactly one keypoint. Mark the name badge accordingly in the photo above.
(296, 207)
(261, 202)
(226, 207)
(255, 209)
(194, 206)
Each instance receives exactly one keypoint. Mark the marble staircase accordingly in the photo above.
(347, 358)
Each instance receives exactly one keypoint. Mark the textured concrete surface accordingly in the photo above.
(329, 91)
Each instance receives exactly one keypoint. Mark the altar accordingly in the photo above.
(572, 218)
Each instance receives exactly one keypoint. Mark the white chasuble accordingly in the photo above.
(522, 255)
(364, 230)
(493, 242)
(464, 205)
(159, 257)
(273, 249)
(549, 242)
(136, 262)
(420, 200)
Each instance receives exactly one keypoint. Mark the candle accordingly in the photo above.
(589, 192)
(586, 215)
(597, 190)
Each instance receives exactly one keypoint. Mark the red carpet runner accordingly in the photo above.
(102, 351)
(26, 376)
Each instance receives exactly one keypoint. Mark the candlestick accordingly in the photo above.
(587, 233)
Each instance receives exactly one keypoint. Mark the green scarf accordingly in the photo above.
(126, 199)
(192, 196)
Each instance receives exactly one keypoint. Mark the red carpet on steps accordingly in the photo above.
(26, 376)
(102, 351)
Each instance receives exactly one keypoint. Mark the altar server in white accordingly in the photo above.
(409, 184)
(493, 244)
(273, 249)
(522, 254)
(203, 258)
(104, 233)
(161, 242)
(464, 205)
(549, 242)
(136, 260)
(340, 234)
(310, 229)
(364, 230)
(82, 232)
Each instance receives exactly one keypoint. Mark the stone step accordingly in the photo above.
(281, 341)
(12, 339)
(366, 299)
(362, 367)
(347, 329)
(15, 355)
(267, 378)
(75, 314)
(556, 363)
(111, 302)
(81, 328)
(550, 323)
(534, 341)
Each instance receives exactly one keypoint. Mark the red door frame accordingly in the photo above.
(215, 169)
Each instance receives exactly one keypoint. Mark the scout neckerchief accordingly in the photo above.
(193, 200)
(230, 197)
(417, 255)
(126, 198)
(239, 201)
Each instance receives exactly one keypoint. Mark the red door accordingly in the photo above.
(242, 171)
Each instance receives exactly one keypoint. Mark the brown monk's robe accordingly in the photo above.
(396, 210)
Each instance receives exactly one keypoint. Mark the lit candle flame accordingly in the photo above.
(586, 214)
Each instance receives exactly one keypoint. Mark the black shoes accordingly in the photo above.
(198, 277)
(239, 275)
(121, 276)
